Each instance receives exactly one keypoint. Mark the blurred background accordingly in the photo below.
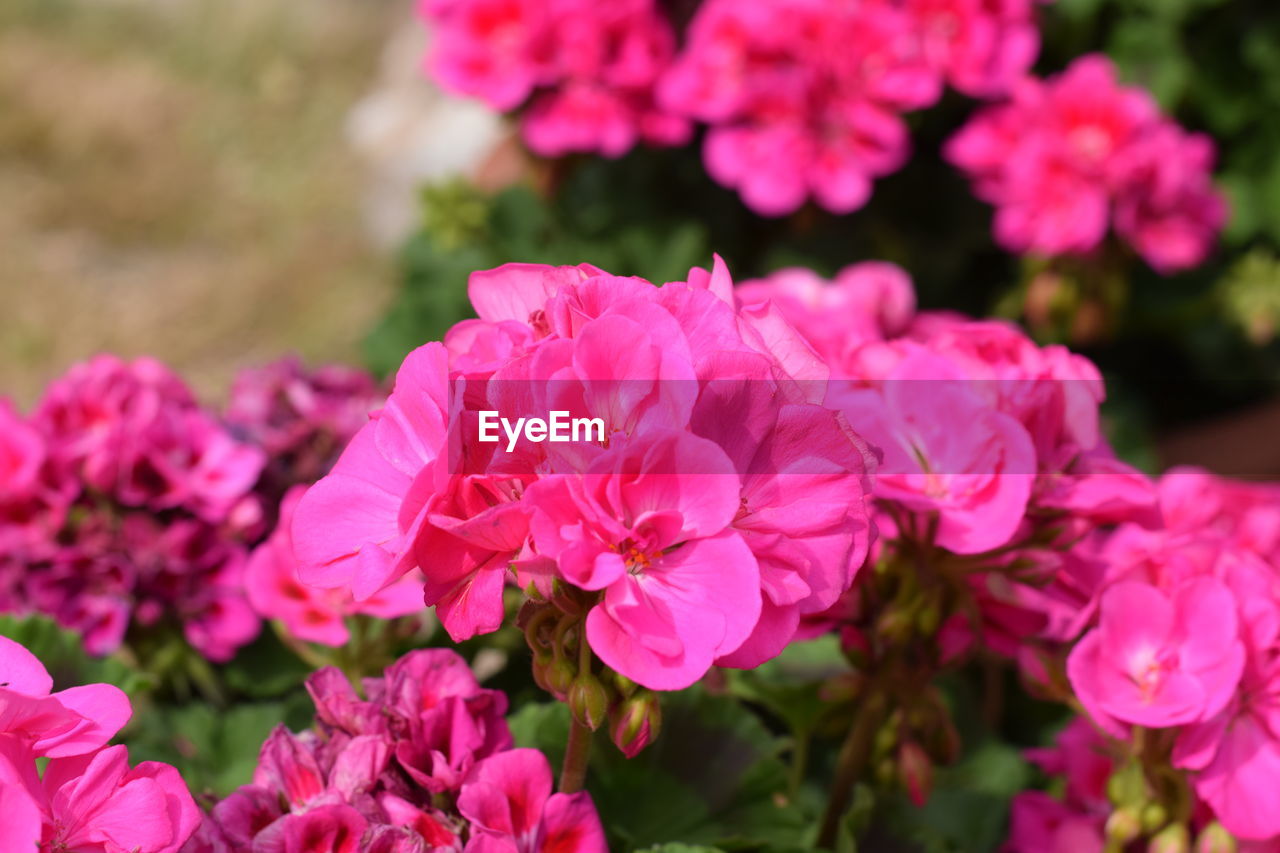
(217, 182)
(176, 178)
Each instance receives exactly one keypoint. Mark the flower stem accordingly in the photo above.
(855, 752)
(573, 773)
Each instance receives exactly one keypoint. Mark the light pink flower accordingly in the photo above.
(977, 479)
(1159, 659)
(315, 615)
(351, 529)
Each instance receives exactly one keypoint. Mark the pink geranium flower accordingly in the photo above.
(508, 800)
(1159, 659)
(308, 613)
(977, 479)
(355, 527)
(66, 723)
(96, 803)
(648, 524)
(1066, 158)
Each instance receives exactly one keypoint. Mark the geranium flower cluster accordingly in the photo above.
(1069, 159)
(802, 99)
(1182, 643)
(805, 100)
(123, 502)
(424, 762)
(61, 788)
(126, 502)
(720, 502)
(300, 417)
(585, 71)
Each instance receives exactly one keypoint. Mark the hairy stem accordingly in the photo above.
(573, 773)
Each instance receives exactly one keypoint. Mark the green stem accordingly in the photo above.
(799, 761)
(577, 752)
(854, 756)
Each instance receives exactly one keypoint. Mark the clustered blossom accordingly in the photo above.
(805, 100)
(124, 503)
(1074, 822)
(300, 417)
(85, 797)
(584, 70)
(802, 99)
(1068, 159)
(425, 762)
(127, 503)
(724, 503)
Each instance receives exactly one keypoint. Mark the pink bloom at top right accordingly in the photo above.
(1065, 159)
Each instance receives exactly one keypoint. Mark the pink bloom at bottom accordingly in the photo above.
(507, 797)
(1040, 824)
(96, 803)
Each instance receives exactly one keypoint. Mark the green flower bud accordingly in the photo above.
(588, 700)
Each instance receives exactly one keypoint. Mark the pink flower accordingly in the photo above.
(96, 804)
(977, 479)
(649, 525)
(1040, 824)
(67, 723)
(355, 527)
(22, 453)
(508, 800)
(1065, 157)
(302, 418)
(587, 71)
(983, 47)
(326, 829)
(865, 302)
(315, 615)
(802, 98)
(1159, 659)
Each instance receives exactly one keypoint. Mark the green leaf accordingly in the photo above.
(215, 749)
(713, 777)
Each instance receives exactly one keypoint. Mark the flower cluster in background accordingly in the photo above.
(125, 504)
(61, 788)
(423, 762)
(585, 70)
(805, 101)
(1069, 159)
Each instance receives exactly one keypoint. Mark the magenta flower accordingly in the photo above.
(585, 70)
(681, 588)
(1066, 158)
(508, 800)
(1157, 659)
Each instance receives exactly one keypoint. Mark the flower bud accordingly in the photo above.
(1154, 817)
(634, 723)
(588, 700)
(625, 685)
(1214, 838)
(1124, 825)
(1172, 839)
(559, 677)
(916, 771)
